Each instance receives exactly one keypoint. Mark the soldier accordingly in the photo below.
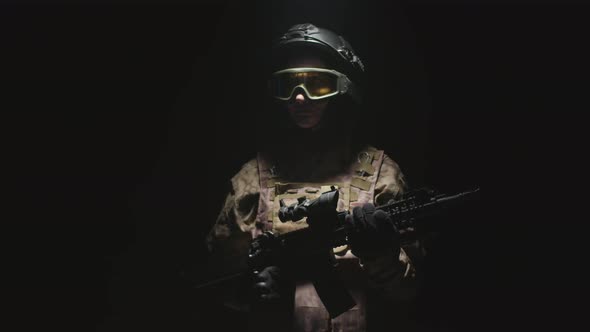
(317, 141)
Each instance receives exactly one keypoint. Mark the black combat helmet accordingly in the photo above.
(329, 45)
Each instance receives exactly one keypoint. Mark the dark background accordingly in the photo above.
(124, 123)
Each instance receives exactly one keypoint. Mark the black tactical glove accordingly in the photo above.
(374, 233)
(267, 285)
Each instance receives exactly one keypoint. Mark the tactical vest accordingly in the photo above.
(356, 186)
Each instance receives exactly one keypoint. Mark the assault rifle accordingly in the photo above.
(328, 229)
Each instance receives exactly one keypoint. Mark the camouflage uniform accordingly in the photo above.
(251, 207)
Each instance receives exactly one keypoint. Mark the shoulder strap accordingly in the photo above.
(268, 176)
(365, 172)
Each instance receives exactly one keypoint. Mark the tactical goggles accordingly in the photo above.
(318, 83)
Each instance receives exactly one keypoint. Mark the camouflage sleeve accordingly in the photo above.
(390, 182)
(393, 277)
(229, 238)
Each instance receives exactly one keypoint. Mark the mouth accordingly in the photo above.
(304, 109)
(303, 115)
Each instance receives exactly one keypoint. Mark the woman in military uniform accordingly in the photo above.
(315, 143)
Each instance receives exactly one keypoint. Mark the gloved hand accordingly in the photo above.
(272, 300)
(374, 233)
(267, 285)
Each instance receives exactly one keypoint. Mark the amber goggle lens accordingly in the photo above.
(317, 84)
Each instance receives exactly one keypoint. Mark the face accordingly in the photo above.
(304, 112)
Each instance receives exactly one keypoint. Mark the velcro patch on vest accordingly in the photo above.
(365, 168)
(360, 183)
(294, 187)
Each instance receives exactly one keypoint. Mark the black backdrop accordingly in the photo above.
(125, 122)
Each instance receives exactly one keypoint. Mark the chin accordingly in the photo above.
(306, 125)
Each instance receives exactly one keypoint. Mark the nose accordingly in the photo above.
(299, 98)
